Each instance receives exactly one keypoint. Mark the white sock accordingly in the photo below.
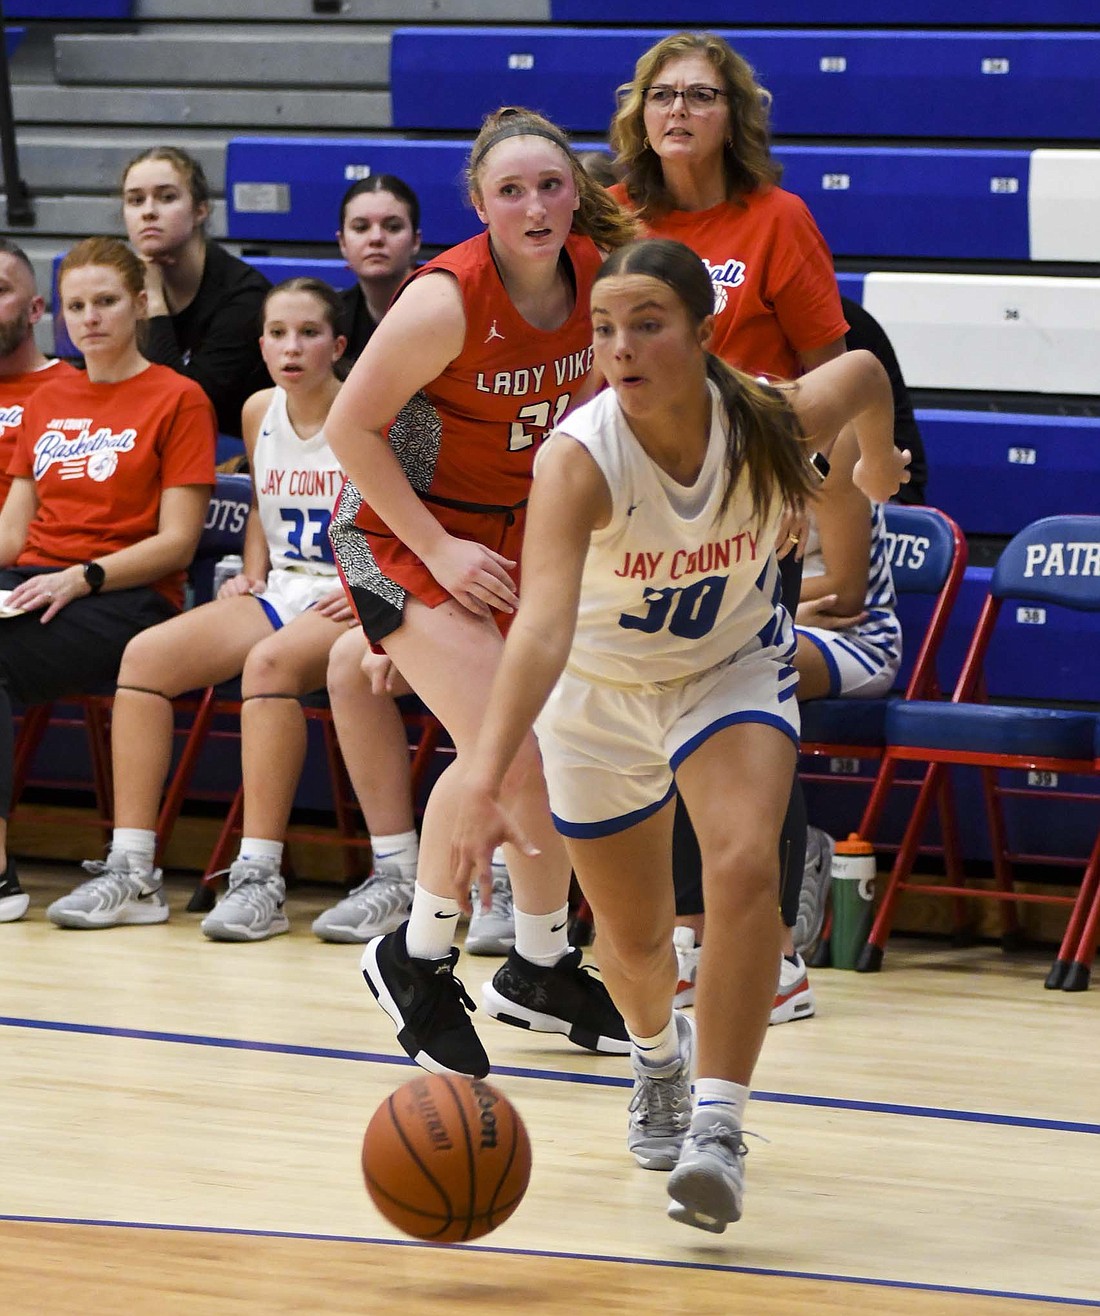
(256, 847)
(402, 849)
(722, 1097)
(498, 860)
(660, 1050)
(543, 938)
(431, 927)
(136, 841)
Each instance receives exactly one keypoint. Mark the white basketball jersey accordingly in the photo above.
(296, 482)
(670, 587)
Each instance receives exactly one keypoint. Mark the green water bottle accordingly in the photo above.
(853, 899)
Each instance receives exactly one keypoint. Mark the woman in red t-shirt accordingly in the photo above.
(112, 472)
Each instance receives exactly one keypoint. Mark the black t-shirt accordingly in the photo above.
(215, 340)
(359, 324)
(866, 332)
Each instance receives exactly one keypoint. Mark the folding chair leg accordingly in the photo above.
(202, 898)
(1011, 932)
(952, 854)
(1076, 977)
(99, 750)
(35, 720)
(340, 786)
(870, 959)
(180, 781)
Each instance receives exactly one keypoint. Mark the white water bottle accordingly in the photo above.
(225, 569)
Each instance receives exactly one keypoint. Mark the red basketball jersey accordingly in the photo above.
(472, 434)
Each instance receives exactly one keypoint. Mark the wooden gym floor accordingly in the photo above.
(181, 1125)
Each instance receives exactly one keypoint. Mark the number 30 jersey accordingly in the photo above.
(296, 483)
(672, 585)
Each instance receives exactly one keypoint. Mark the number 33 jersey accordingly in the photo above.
(296, 482)
(672, 585)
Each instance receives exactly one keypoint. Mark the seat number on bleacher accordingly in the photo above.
(995, 66)
(835, 182)
(1042, 778)
(844, 767)
(1006, 186)
(522, 62)
(833, 64)
(1021, 456)
(1031, 616)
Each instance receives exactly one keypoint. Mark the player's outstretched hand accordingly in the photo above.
(883, 476)
(476, 576)
(481, 825)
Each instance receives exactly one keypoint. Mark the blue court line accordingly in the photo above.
(553, 1075)
(766, 1272)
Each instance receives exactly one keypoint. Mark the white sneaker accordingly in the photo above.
(252, 908)
(119, 891)
(813, 900)
(492, 931)
(660, 1108)
(794, 998)
(687, 966)
(375, 907)
(707, 1186)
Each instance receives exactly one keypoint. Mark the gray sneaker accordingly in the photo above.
(492, 931)
(814, 899)
(119, 891)
(377, 906)
(252, 907)
(660, 1109)
(707, 1186)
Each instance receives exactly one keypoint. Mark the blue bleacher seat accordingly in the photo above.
(307, 176)
(280, 268)
(13, 37)
(826, 83)
(909, 13)
(902, 201)
(78, 9)
(996, 472)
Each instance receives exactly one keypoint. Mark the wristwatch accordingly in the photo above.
(95, 576)
(820, 463)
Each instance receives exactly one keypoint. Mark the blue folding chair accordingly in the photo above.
(1053, 563)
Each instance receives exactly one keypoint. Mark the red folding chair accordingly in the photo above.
(1053, 563)
(928, 562)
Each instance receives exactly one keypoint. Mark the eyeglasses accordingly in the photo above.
(695, 97)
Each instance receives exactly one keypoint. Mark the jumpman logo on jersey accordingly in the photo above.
(494, 333)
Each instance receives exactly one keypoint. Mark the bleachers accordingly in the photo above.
(995, 471)
(908, 13)
(84, 10)
(826, 83)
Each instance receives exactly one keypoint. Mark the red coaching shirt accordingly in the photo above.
(775, 289)
(101, 454)
(15, 390)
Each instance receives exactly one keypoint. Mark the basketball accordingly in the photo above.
(446, 1159)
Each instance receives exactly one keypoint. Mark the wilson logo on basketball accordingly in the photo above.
(428, 1111)
(486, 1108)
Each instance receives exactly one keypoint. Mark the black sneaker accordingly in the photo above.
(428, 1004)
(566, 998)
(13, 899)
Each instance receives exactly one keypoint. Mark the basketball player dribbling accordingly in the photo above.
(653, 649)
